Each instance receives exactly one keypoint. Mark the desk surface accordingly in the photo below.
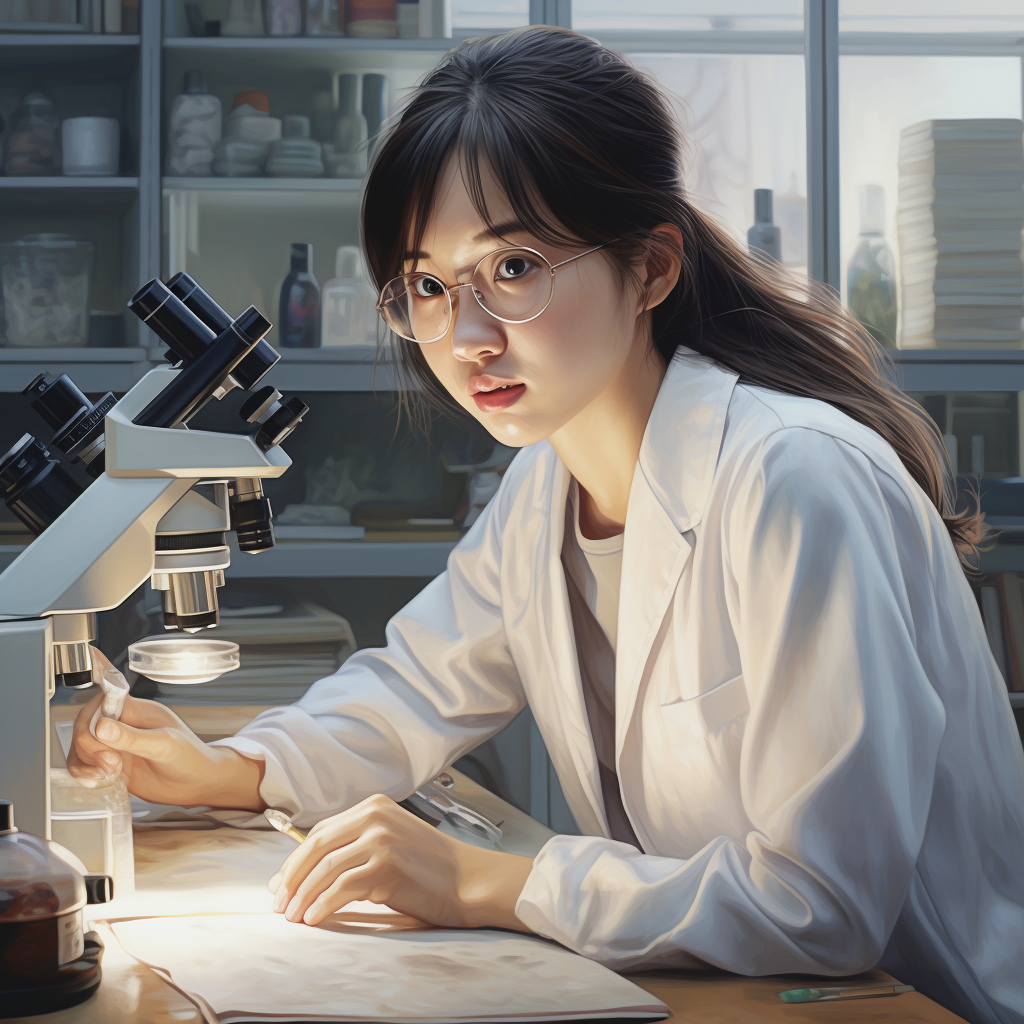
(133, 994)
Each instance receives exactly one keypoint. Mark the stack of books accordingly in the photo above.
(1001, 601)
(283, 650)
(959, 224)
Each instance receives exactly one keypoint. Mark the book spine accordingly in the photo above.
(993, 626)
(1013, 628)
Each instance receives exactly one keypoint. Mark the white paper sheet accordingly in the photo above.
(367, 967)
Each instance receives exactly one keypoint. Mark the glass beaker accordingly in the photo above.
(44, 287)
(95, 824)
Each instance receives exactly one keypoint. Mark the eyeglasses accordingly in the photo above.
(514, 285)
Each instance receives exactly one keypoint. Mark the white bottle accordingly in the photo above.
(193, 129)
(347, 303)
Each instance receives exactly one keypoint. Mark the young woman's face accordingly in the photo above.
(557, 363)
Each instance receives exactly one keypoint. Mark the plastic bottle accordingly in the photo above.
(871, 274)
(764, 235)
(194, 129)
(349, 157)
(347, 302)
(299, 311)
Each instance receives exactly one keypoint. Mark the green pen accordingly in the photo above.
(816, 995)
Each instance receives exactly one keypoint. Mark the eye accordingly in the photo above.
(515, 266)
(427, 287)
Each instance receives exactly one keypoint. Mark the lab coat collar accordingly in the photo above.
(684, 433)
(677, 460)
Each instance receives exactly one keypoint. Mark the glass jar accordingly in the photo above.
(95, 824)
(44, 289)
(32, 146)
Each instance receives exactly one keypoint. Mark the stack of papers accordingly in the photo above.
(959, 224)
(260, 967)
(283, 650)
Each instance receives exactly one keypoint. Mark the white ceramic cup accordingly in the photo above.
(90, 146)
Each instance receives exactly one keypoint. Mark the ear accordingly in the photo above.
(663, 263)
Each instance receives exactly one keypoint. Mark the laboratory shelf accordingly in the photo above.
(931, 44)
(306, 43)
(47, 39)
(713, 41)
(327, 559)
(960, 369)
(261, 184)
(333, 369)
(92, 369)
(60, 182)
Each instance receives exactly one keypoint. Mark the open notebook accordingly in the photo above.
(260, 967)
(201, 918)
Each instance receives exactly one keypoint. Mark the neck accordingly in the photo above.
(601, 444)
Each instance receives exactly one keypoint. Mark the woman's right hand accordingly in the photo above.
(161, 758)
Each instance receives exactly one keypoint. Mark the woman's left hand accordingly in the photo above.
(380, 852)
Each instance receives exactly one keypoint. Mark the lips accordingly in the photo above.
(485, 382)
(500, 398)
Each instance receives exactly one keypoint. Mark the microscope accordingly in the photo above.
(144, 514)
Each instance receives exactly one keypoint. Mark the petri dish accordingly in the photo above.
(182, 660)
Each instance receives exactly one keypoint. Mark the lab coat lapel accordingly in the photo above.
(670, 487)
(553, 622)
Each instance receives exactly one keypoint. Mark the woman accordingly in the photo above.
(783, 735)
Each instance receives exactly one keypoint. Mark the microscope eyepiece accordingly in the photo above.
(77, 421)
(254, 367)
(184, 334)
(34, 486)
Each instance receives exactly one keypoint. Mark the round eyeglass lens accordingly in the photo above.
(511, 284)
(416, 307)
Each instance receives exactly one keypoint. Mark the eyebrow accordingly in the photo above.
(507, 227)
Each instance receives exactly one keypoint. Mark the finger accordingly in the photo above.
(331, 834)
(324, 874)
(151, 744)
(275, 881)
(356, 884)
(88, 757)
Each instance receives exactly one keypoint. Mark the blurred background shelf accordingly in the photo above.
(311, 559)
(46, 40)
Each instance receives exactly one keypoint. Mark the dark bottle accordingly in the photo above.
(298, 322)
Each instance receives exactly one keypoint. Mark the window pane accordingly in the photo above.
(688, 16)
(913, 16)
(954, 240)
(479, 17)
(744, 121)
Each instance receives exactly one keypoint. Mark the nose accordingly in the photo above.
(475, 333)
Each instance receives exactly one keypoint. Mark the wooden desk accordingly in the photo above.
(133, 994)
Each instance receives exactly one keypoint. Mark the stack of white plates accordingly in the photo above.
(961, 214)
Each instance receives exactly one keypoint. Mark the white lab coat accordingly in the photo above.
(814, 744)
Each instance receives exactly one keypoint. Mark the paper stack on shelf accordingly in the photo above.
(959, 224)
(284, 649)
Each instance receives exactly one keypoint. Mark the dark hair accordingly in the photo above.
(574, 131)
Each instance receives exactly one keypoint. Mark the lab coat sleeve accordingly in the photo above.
(837, 757)
(390, 718)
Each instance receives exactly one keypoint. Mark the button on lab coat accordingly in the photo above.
(813, 741)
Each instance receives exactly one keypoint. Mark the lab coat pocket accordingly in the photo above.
(714, 708)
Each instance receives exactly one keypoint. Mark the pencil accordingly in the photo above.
(283, 823)
(814, 995)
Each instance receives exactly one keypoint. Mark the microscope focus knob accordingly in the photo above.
(282, 421)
